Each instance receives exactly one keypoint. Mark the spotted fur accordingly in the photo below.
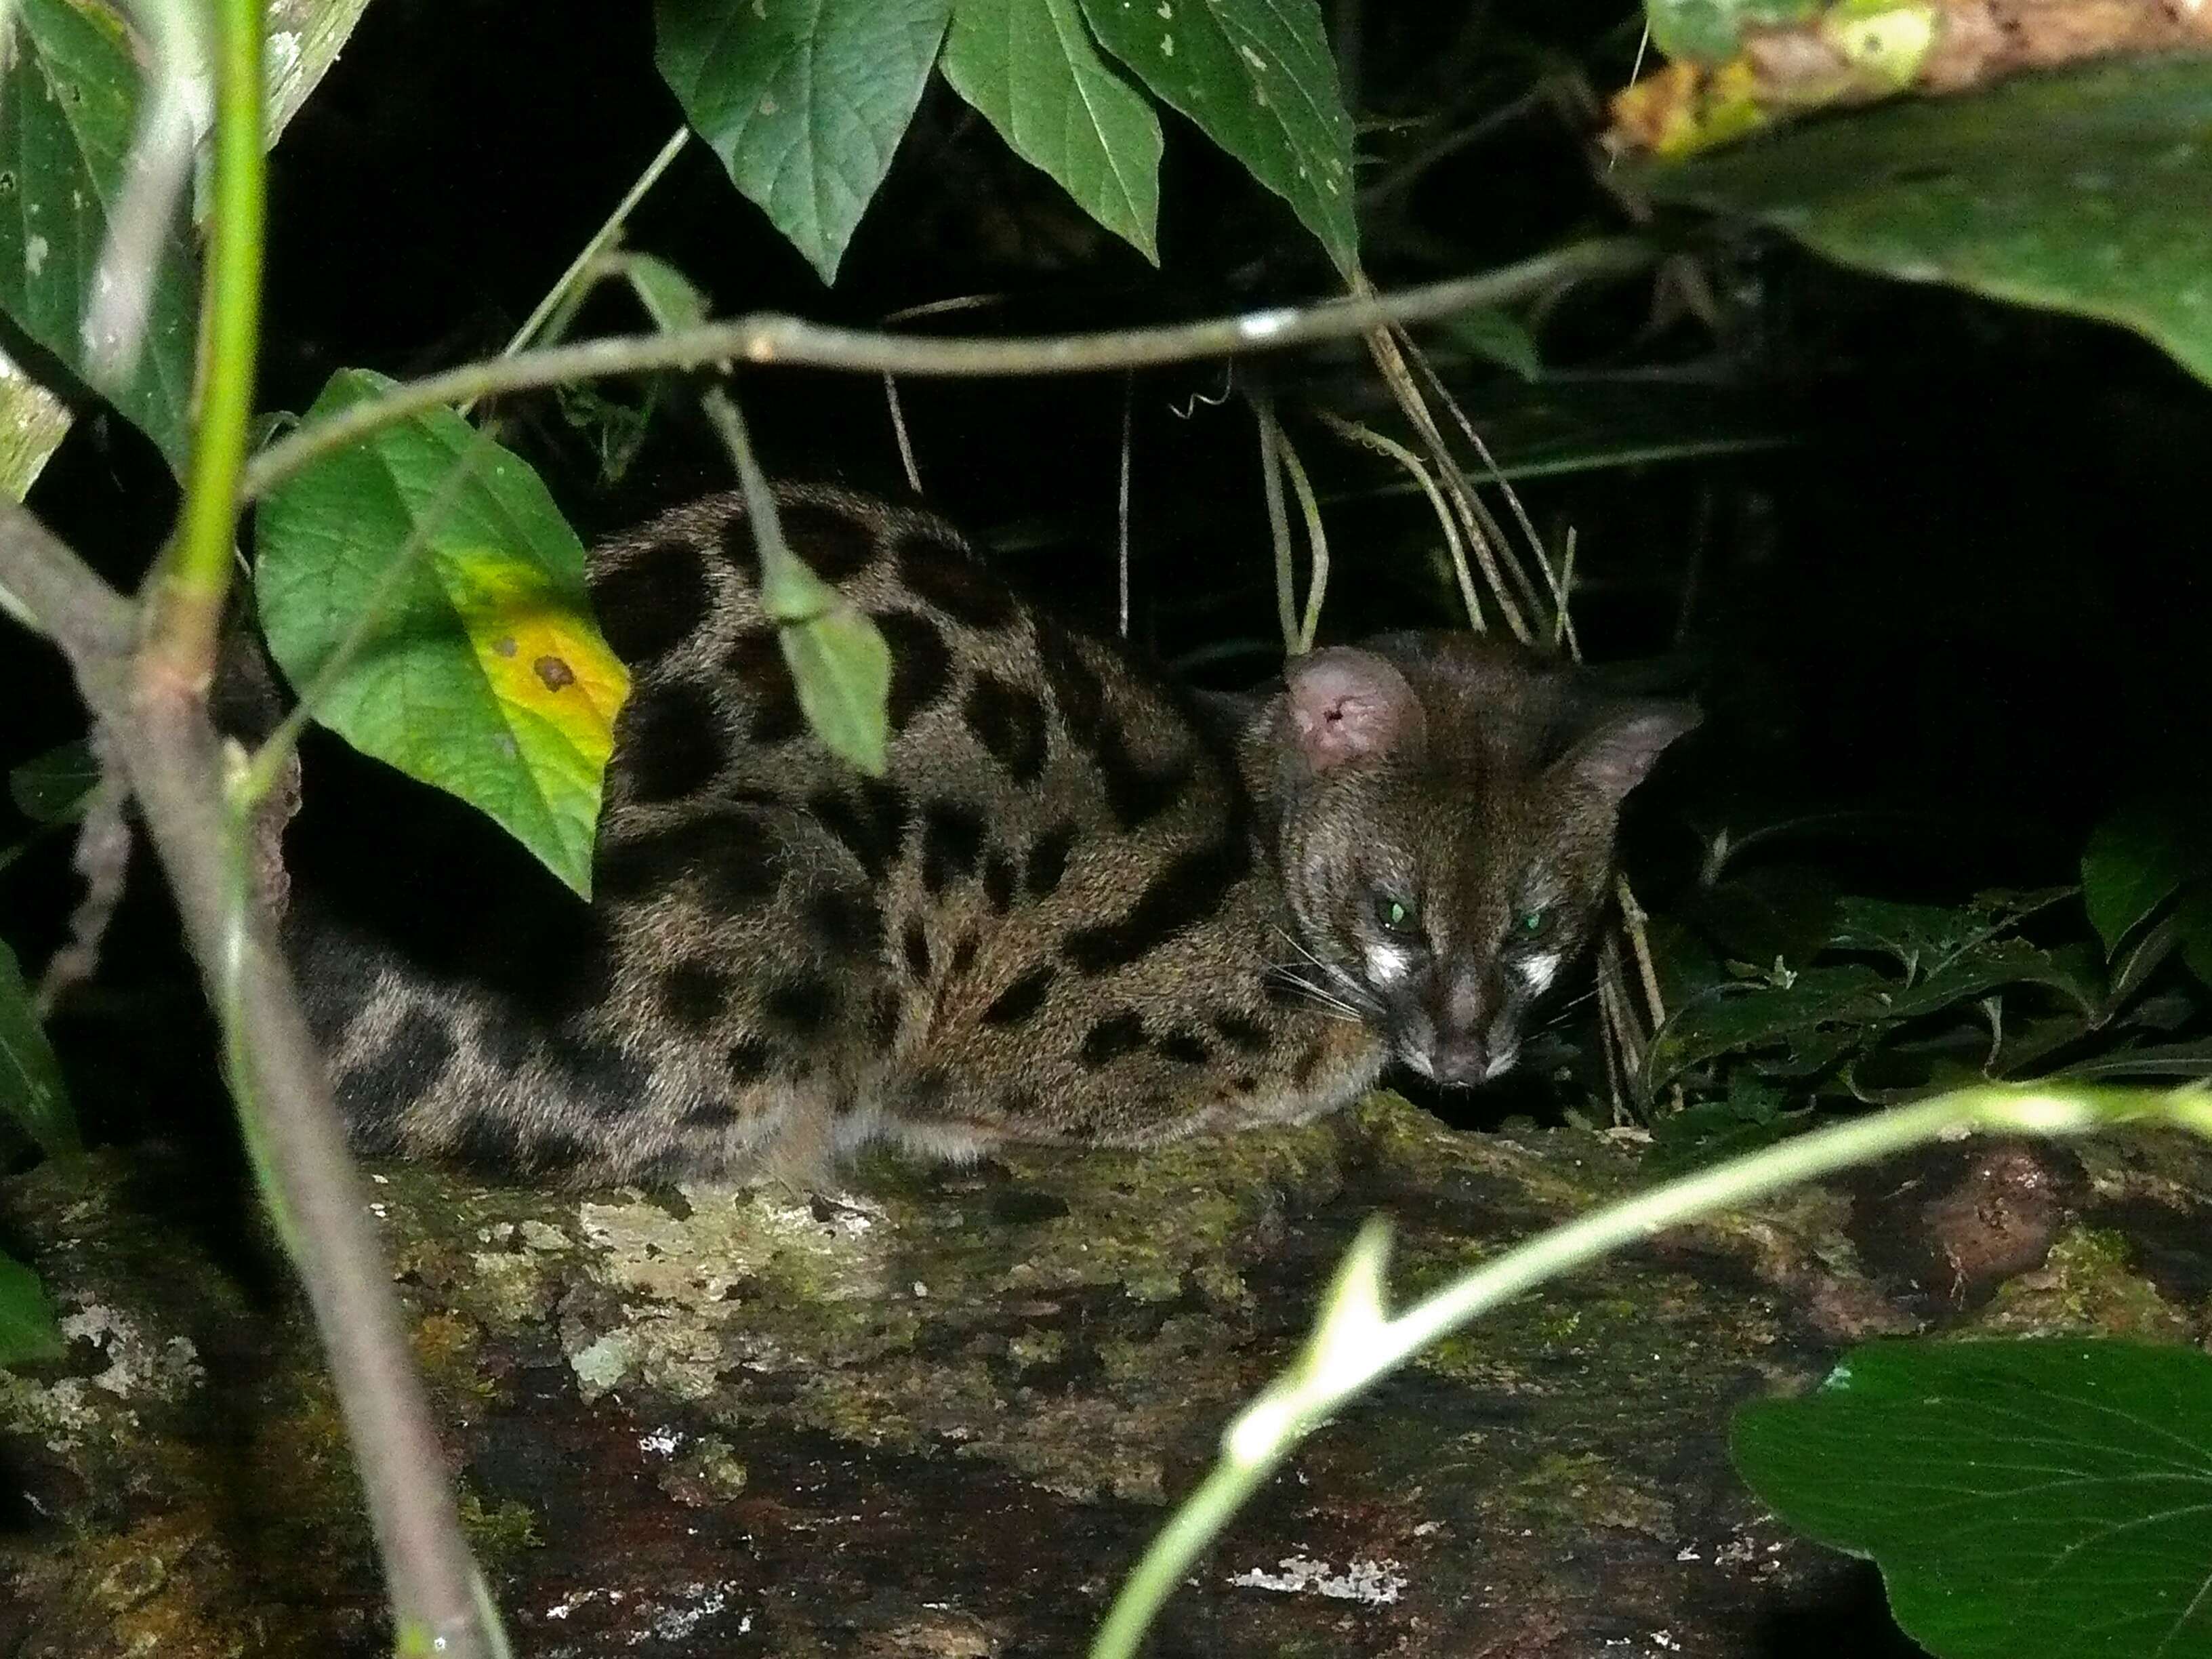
(1080, 906)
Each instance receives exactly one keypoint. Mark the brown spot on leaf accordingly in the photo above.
(553, 673)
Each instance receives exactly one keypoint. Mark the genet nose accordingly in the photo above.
(1457, 1062)
(1460, 1062)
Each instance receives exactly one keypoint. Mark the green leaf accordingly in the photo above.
(1709, 31)
(1031, 68)
(1498, 337)
(1255, 76)
(52, 787)
(68, 107)
(804, 100)
(843, 670)
(2036, 1500)
(2135, 861)
(31, 1091)
(27, 1330)
(1727, 1022)
(2086, 190)
(482, 672)
(669, 297)
(2193, 1058)
(1754, 1114)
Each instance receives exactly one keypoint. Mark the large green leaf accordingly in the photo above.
(1256, 77)
(2087, 191)
(1032, 68)
(482, 672)
(69, 105)
(804, 100)
(27, 1330)
(2041, 1500)
(31, 1091)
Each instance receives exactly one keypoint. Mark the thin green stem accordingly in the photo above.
(1328, 1373)
(770, 338)
(609, 227)
(1278, 521)
(185, 613)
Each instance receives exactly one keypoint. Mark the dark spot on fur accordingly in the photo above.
(835, 546)
(884, 1015)
(964, 954)
(1112, 1037)
(999, 881)
(748, 1060)
(1188, 1047)
(845, 921)
(1076, 690)
(1137, 791)
(925, 1093)
(1286, 991)
(1186, 893)
(1048, 859)
(694, 993)
(802, 1005)
(552, 1153)
(1244, 1082)
(651, 605)
(731, 855)
(955, 582)
(1309, 1062)
(599, 1071)
(736, 541)
(873, 827)
(1022, 998)
(672, 741)
(921, 665)
(756, 661)
(710, 1115)
(373, 1094)
(952, 842)
(487, 1141)
(1010, 723)
(1241, 1032)
(916, 944)
(1014, 1105)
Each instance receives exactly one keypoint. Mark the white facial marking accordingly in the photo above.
(1537, 972)
(1386, 966)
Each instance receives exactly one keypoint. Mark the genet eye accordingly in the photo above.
(1532, 924)
(1395, 914)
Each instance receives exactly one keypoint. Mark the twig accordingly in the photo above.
(609, 227)
(1316, 539)
(1483, 535)
(1278, 520)
(1413, 464)
(772, 338)
(1122, 498)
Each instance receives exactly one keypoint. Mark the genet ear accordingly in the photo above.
(1613, 756)
(1348, 705)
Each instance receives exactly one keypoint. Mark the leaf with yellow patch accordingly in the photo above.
(478, 668)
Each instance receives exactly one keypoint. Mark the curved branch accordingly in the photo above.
(769, 337)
